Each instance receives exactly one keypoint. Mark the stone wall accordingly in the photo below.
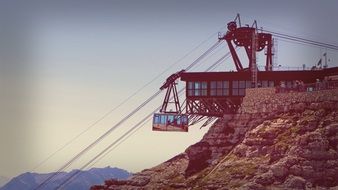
(265, 100)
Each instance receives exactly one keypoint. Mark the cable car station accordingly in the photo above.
(212, 94)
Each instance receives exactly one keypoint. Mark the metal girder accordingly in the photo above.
(171, 88)
(216, 107)
(243, 37)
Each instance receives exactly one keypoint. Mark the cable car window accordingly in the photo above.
(184, 120)
(178, 120)
(170, 119)
(271, 83)
(170, 122)
(157, 119)
(163, 119)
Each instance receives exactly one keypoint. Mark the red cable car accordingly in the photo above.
(171, 120)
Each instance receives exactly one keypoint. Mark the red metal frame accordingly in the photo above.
(206, 106)
(244, 37)
(170, 85)
(201, 105)
(171, 88)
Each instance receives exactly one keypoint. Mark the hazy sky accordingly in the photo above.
(63, 64)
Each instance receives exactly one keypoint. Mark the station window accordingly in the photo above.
(238, 87)
(219, 88)
(289, 84)
(248, 84)
(265, 83)
(197, 88)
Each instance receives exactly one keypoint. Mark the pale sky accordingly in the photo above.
(64, 64)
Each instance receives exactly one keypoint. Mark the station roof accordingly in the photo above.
(304, 75)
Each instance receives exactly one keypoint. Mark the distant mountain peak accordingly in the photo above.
(3, 181)
(29, 180)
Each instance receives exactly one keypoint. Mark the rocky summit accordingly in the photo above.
(275, 141)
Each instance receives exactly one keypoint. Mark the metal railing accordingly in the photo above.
(310, 87)
(289, 68)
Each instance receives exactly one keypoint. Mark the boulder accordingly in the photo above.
(279, 170)
(295, 182)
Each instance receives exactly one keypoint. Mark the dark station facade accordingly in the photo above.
(216, 93)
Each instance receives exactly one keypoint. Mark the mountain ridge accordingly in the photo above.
(3, 180)
(30, 180)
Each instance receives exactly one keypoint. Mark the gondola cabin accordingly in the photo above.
(170, 122)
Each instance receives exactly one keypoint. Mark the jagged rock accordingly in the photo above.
(178, 185)
(241, 150)
(295, 182)
(299, 107)
(279, 170)
(139, 181)
(331, 130)
(258, 141)
(308, 126)
(214, 187)
(198, 154)
(253, 186)
(296, 170)
(265, 179)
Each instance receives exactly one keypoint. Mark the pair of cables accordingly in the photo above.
(89, 147)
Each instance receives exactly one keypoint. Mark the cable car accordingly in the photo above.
(170, 122)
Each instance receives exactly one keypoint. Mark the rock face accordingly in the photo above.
(266, 145)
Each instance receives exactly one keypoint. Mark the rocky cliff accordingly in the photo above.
(275, 141)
